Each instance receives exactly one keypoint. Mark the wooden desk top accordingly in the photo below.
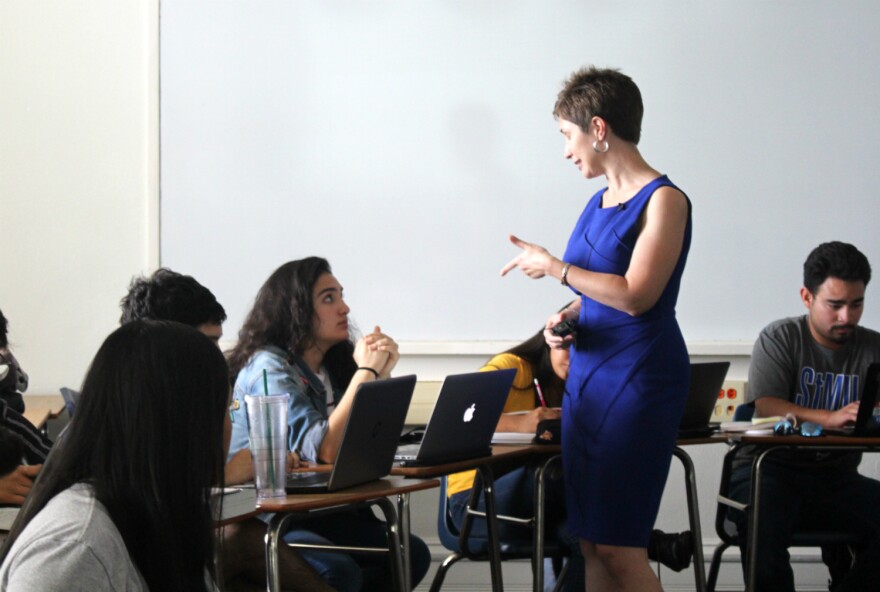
(38, 409)
(500, 453)
(835, 441)
(715, 438)
(351, 495)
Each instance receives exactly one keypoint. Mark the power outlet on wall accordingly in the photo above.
(731, 395)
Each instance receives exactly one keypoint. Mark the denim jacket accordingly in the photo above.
(307, 409)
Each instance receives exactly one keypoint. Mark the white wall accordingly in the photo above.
(422, 131)
(78, 174)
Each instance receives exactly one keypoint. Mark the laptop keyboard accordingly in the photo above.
(407, 451)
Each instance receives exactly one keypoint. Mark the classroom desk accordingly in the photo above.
(692, 503)
(507, 454)
(373, 493)
(239, 504)
(486, 466)
(768, 445)
(38, 409)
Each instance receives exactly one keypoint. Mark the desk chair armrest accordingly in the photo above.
(513, 519)
(732, 503)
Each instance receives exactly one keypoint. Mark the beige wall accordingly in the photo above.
(78, 174)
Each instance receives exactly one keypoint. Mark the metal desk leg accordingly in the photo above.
(754, 509)
(539, 526)
(394, 545)
(693, 517)
(492, 528)
(405, 528)
(396, 549)
(274, 532)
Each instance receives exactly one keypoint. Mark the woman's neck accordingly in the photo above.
(314, 357)
(626, 173)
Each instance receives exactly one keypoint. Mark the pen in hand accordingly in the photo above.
(540, 394)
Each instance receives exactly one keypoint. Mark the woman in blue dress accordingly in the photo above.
(629, 373)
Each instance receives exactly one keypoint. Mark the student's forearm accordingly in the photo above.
(772, 406)
(337, 420)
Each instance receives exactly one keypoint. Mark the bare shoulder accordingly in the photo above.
(669, 198)
(667, 206)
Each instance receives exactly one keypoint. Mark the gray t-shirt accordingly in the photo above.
(788, 363)
(71, 545)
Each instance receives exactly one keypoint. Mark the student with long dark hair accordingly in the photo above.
(298, 333)
(170, 296)
(124, 500)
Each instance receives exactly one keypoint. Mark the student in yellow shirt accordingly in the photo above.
(514, 492)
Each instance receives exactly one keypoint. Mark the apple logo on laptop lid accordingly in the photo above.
(469, 412)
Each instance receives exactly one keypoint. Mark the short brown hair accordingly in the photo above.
(605, 93)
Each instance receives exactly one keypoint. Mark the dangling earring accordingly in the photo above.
(596, 146)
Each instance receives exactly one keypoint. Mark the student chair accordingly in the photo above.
(477, 549)
(727, 530)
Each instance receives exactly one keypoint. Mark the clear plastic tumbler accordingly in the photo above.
(267, 432)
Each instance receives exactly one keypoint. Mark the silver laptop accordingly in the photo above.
(372, 431)
(464, 418)
(706, 380)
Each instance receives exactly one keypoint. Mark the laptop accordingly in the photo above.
(868, 418)
(369, 440)
(706, 381)
(464, 418)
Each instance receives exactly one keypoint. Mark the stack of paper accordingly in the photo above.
(762, 427)
(512, 438)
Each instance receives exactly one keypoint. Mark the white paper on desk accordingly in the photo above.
(7, 517)
(759, 432)
(236, 500)
(736, 426)
(512, 438)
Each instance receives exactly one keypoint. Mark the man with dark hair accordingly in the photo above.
(170, 296)
(813, 367)
(20, 441)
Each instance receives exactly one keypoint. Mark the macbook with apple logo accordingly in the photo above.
(463, 421)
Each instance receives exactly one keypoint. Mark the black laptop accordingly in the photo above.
(868, 418)
(706, 381)
(464, 418)
(369, 441)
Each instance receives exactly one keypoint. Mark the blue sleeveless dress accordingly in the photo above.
(626, 389)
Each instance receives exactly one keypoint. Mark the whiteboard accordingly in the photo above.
(405, 140)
